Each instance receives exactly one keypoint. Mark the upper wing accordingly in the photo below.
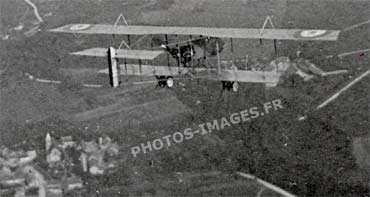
(244, 33)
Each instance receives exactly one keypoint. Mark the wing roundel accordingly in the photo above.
(306, 34)
(79, 27)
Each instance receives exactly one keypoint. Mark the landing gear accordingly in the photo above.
(165, 81)
(161, 81)
(170, 82)
(235, 86)
(230, 85)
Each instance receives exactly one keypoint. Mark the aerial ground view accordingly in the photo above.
(184, 98)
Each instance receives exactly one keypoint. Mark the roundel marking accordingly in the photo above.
(311, 33)
(79, 27)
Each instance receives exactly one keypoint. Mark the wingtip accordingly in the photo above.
(59, 28)
(76, 53)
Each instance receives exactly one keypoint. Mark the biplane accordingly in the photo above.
(191, 55)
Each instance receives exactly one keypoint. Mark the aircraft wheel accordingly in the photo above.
(170, 82)
(161, 81)
(235, 86)
(224, 85)
(228, 85)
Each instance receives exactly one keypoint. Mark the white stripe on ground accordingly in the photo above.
(59, 82)
(118, 108)
(92, 85)
(336, 95)
(35, 10)
(350, 53)
(357, 25)
(47, 81)
(353, 52)
(266, 184)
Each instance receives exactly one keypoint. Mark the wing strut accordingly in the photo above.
(232, 48)
(151, 42)
(125, 63)
(128, 40)
(141, 69)
(218, 59)
(268, 20)
(168, 55)
(178, 56)
(231, 45)
(121, 16)
(123, 43)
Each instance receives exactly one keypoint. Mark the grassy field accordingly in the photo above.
(308, 158)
